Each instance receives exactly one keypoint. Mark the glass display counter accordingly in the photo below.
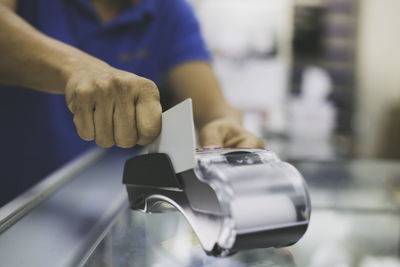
(80, 217)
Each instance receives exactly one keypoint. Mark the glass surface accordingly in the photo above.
(354, 222)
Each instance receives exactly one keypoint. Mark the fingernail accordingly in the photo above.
(211, 147)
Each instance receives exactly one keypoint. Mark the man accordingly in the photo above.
(106, 57)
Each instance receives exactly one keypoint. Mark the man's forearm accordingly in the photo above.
(31, 59)
(218, 123)
(197, 80)
(110, 106)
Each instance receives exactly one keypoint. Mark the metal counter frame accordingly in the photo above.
(60, 221)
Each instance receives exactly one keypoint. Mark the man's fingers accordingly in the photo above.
(234, 142)
(148, 114)
(103, 124)
(244, 140)
(250, 142)
(83, 120)
(225, 134)
(211, 136)
(125, 134)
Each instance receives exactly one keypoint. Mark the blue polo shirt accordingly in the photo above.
(148, 39)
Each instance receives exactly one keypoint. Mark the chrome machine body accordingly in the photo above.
(234, 199)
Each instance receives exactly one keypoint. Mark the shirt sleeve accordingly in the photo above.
(186, 42)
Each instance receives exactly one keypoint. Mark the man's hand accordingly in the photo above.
(112, 106)
(229, 133)
(219, 123)
(109, 106)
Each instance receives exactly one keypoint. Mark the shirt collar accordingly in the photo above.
(144, 10)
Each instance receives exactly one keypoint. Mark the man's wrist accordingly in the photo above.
(76, 63)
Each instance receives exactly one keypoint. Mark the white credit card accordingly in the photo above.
(177, 137)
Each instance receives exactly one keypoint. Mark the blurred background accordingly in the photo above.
(318, 79)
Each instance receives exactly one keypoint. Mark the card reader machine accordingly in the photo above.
(234, 199)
